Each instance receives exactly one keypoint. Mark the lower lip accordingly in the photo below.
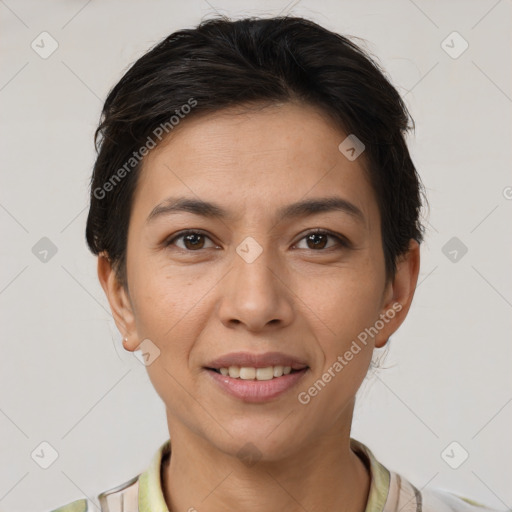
(256, 390)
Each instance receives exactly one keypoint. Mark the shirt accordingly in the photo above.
(389, 491)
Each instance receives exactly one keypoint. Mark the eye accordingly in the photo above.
(318, 239)
(192, 240)
(196, 240)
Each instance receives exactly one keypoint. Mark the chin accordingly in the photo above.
(258, 443)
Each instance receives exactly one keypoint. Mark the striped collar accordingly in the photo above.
(151, 497)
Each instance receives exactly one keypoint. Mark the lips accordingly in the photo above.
(256, 390)
(249, 360)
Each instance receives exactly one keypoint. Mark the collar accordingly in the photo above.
(380, 477)
(151, 497)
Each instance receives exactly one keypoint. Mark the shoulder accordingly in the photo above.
(145, 488)
(123, 498)
(83, 505)
(440, 499)
(392, 492)
(409, 498)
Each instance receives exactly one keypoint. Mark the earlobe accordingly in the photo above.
(119, 301)
(399, 293)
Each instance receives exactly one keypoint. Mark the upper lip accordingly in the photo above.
(249, 360)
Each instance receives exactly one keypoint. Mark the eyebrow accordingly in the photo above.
(207, 209)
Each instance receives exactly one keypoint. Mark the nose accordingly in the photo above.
(256, 294)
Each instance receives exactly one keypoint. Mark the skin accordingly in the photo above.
(197, 304)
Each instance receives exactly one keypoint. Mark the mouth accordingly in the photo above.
(255, 385)
(259, 374)
(251, 377)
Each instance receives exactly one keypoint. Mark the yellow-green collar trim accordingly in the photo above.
(379, 479)
(151, 498)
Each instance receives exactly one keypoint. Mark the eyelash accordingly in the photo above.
(342, 241)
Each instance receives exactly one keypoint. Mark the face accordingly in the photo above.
(286, 258)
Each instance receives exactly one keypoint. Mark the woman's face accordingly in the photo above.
(253, 280)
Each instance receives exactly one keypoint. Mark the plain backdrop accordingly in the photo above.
(65, 379)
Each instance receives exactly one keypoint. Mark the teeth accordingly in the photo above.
(278, 371)
(247, 373)
(234, 372)
(265, 373)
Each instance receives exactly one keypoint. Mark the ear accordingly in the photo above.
(399, 293)
(119, 301)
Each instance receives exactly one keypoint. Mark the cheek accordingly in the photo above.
(346, 307)
(344, 302)
(165, 299)
(170, 310)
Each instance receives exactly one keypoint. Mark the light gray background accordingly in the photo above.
(65, 378)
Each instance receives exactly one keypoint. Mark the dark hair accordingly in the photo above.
(224, 63)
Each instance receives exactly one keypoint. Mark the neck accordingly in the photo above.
(324, 475)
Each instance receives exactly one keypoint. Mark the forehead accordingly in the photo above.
(263, 157)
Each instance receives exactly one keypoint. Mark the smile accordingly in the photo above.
(249, 373)
(256, 384)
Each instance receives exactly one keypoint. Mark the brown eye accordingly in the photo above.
(192, 241)
(318, 240)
